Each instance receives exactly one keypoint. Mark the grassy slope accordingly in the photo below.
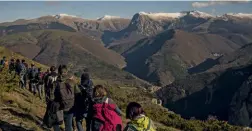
(52, 47)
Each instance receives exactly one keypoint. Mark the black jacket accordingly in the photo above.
(83, 98)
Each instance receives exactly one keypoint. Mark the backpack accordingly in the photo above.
(22, 69)
(40, 77)
(66, 95)
(84, 100)
(12, 66)
(105, 112)
(33, 73)
(50, 87)
(2, 62)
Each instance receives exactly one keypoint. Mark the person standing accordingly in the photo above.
(65, 96)
(49, 81)
(106, 116)
(32, 77)
(22, 73)
(3, 63)
(83, 102)
(40, 83)
(17, 67)
(12, 66)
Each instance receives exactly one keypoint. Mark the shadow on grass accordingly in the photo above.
(36, 119)
(9, 127)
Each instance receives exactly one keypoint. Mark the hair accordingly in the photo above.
(39, 69)
(62, 69)
(86, 70)
(18, 61)
(23, 61)
(100, 91)
(133, 110)
(52, 68)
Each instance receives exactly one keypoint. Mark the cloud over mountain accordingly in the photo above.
(218, 2)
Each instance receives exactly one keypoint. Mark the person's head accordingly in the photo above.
(23, 61)
(17, 61)
(133, 110)
(63, 70)
(39, 69)
(12, 60)
(86, 70)
(48, 70)
(100, 91)
(4, 57)
(52, 68)
(32, 64)
(84, 78)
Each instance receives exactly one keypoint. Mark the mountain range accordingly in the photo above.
(207, 37)
(185, 55)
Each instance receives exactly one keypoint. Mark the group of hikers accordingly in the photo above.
(66, 100)
(33, 74)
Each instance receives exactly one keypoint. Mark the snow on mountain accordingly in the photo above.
(240, 15)
(196, 14)
(108, 17)
(161, 15)
(58, 16)
(199, 14)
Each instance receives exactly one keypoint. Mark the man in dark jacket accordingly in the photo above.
(40, 84)
(50, 118)
(83, 101)
(32, 77)
(64, 95)
(22, 73)
(49, 79)
(11, 66)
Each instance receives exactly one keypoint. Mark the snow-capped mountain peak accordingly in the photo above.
(58, 16)
(161, 15)
(199, 14)
(196, 14)
(108, 17)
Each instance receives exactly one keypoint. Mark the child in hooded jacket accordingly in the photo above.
(139, 121)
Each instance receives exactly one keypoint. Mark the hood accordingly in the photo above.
(141, 122)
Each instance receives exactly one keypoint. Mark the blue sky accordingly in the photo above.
(11, 10)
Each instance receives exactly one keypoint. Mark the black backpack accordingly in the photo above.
(50, 87)
(32, 74)
(66, 95)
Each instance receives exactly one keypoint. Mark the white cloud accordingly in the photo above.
(218, 2)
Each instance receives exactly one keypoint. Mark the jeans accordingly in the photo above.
(79, 125)
(68, 121)
(40, 89)
(33, 87)
(22, 81)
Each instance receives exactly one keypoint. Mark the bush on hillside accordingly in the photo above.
(7, 80)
